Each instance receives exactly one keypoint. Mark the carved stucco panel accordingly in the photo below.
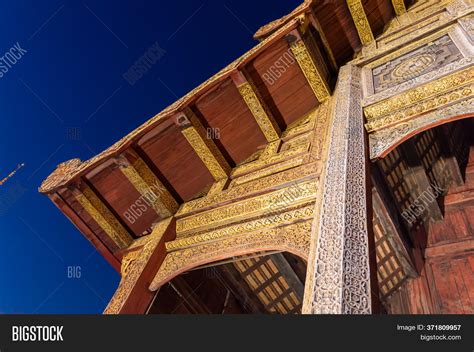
(340, 275)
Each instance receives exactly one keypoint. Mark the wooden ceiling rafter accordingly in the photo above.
(361, 22)
(151, 189)
(102, 214)
(399, 7)
(203, 144)
(273, 281)
(310, 69)
(257, 106)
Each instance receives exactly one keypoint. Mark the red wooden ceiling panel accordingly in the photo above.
(379, 13)
(282, 84)
(225, 110)
(178, 162)
(120, 194)
(339, 29)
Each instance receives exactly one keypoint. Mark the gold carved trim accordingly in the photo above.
(361, 22)
(271, 149)
(310, 71)
(270, 182)
(294, 238)
(291, 216)
(416, 39)
(205, 148)
(422, 107)
(133, 265)
(127, 261)
(291, 163)
(217, 187)
(103, 216)
(276, 158)
(150, 178)
(302, 125)
(278, 200)
(320, 135)
(416, 95)
(149, 187)
(256, 106)
(382, 141)
(399, 7)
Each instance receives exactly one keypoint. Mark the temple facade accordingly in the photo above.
(329, 170)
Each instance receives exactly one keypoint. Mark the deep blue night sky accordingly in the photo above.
(66, 97)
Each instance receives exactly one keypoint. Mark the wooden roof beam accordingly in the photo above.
(257, 106)
(399, 7)
(319, 29)
(147, 184)
(361, 22)
(231, 278)
(81, 225)
(203, 145)
(188, 296)
(309, 68)
(102, 215)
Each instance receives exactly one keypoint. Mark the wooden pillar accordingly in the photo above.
(338, 277)
(452, 172)
(139, 265)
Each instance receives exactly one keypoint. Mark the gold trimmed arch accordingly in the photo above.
(381, 143)
(294, 238)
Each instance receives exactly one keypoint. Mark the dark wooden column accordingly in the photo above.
(423, 192)
(453, 172)
(386, 209)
